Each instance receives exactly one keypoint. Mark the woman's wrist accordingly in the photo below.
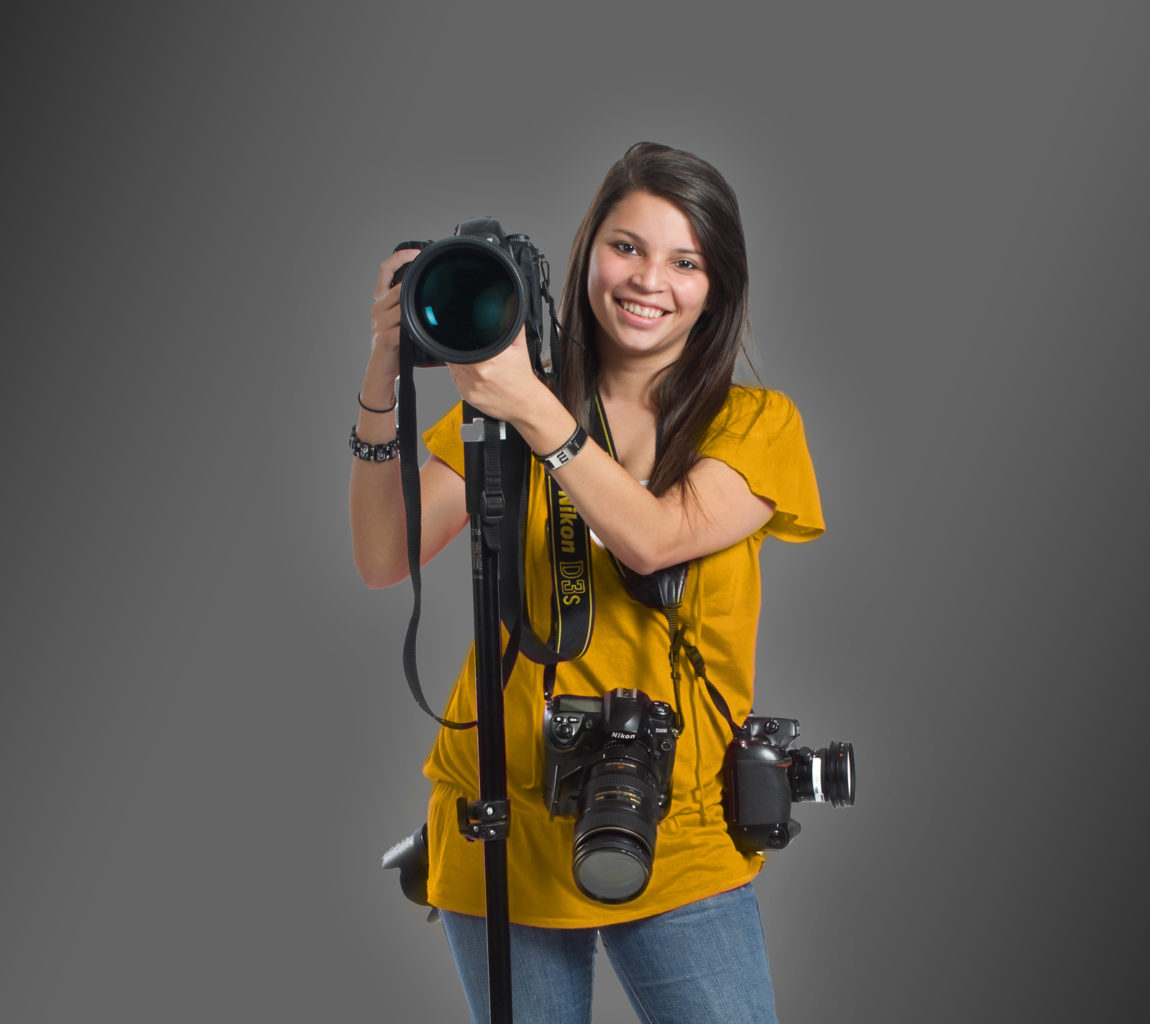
(382, 366)
(377, 396)
(545, 424)
(376, 404)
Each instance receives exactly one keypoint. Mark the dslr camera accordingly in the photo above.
(464, 298)
(608, 763)
(762, 776)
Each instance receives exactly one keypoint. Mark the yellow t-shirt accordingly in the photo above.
(758, 433)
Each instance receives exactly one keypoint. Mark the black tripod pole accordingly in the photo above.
(488, 819)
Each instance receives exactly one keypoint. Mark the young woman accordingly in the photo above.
(700, 470)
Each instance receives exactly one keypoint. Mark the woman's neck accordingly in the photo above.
(629, 382)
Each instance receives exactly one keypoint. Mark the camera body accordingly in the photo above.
(763, 776)
(608, 762)
(465, 297)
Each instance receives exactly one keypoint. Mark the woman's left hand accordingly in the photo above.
(503, 386)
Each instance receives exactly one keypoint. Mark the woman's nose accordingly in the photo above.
(649, 276)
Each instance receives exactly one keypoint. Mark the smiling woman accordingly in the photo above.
(684, 468)
(647, 282)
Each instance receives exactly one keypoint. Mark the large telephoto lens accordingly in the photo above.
(826, 775)
(463, 300)
(615, 830)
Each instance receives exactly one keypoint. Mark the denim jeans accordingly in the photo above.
(705, 963)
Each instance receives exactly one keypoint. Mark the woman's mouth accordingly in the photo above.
(639, 310)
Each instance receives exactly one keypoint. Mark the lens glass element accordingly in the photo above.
(615, 829)
(613, 869)
(839, 773)
(466, 300)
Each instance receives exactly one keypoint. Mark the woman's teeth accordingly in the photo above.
(647, 312)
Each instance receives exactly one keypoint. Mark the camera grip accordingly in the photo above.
(402, 271)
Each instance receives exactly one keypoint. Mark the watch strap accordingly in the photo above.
(566, 451)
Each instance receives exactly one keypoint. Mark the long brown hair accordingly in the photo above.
(691, 391)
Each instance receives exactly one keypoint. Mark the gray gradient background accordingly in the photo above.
(205, 739)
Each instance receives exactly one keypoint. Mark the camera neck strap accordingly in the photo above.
(572, 605)
(663, 590)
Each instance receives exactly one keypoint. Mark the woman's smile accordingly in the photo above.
(643, 312)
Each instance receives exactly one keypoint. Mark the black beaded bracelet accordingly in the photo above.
(384, 452)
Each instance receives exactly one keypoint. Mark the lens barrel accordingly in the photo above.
(826, 775)
(463, 300)
(615, 830)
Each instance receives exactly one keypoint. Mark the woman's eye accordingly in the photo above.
(625, 247)
(686, 265)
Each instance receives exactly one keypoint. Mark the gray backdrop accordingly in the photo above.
(206, 738)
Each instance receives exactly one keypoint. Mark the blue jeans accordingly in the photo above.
(705, 963)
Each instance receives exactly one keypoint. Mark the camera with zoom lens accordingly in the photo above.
(608, 763)
(464, 298)
(762, 776)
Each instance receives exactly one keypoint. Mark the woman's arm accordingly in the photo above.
(646, 532)
(375, 498)
(643, 531)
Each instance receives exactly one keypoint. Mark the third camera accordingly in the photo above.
(762, 776)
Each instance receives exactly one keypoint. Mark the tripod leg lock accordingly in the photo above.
(484, 820)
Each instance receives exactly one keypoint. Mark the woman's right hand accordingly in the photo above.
(378, 524)
(385, 308)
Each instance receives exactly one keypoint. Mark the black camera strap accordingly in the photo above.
(406, 425)
(661, 590)
(572, 585)
(680, 645)
(506, 487)
(572, 591)
(507, 483)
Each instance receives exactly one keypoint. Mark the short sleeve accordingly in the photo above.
(759, 434)
(445, 441)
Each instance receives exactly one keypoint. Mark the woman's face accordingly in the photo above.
(646, 280)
